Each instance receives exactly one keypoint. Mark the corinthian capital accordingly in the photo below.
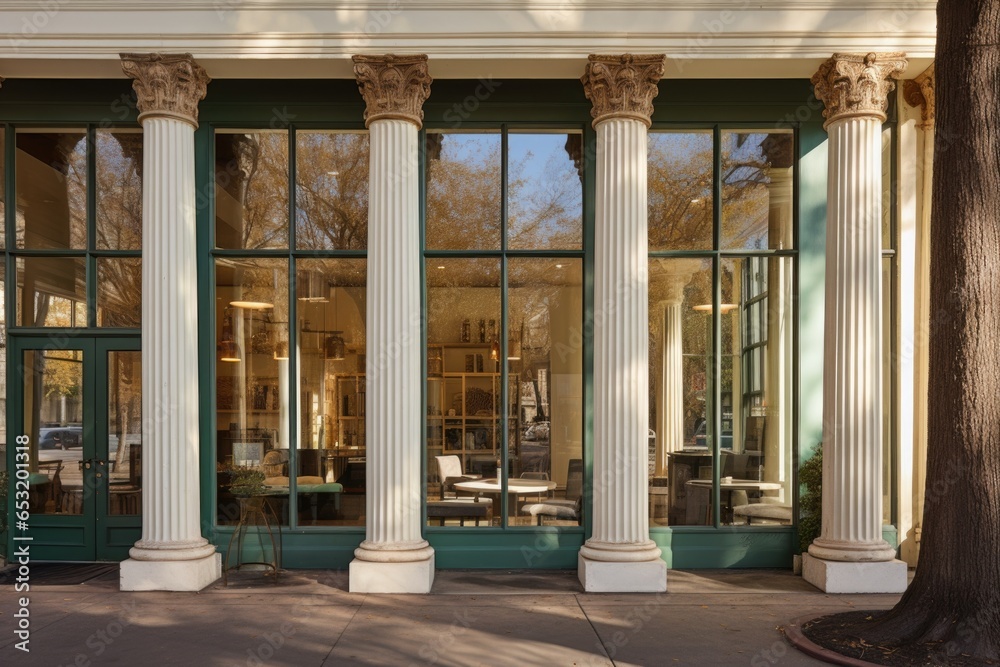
(393, 86)
(622, 86)
(919, 92)
(167, 84)
(854, 84)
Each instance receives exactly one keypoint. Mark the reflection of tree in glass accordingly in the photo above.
(331, 190)
(252, 190)
(119, 226)
(463, 191)
(680, 190)
(744, 191)
(545, 194)
(679, 184)
(119, 190)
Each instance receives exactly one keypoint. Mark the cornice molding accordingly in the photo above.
(857, 84)
(467, 5)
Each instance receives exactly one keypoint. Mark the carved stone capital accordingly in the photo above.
(855, 84)
(393, 86)
(167, 84)
(622, 86)
(919, 92)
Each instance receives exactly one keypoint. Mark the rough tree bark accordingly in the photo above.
(955, 595)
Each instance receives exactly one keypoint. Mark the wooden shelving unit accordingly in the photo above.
(463, 405)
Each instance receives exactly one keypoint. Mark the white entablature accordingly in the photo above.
(463, 39)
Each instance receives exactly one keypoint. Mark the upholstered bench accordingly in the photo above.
(460, 509)
(307, 484)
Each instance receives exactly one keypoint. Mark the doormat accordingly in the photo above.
(61, 574)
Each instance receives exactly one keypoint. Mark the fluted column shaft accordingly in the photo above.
(779, 378)
(671, 408)
(170, 511)
(852, 392)
(393, 320)
(172, 554)
(621, 369)
(393, 558)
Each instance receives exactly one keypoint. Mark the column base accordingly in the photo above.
(832, 576)
(391, 577)
(169, 575)
(599, 576)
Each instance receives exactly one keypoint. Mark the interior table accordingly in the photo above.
(515, 487)
(728, 486)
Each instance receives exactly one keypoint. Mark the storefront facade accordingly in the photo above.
(452, 311)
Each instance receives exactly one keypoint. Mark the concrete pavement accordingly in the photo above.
(472, 618)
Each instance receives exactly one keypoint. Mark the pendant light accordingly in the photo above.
(334, 343)
(228, 350)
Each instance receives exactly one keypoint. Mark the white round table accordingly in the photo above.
(515, 487)
(729, 485)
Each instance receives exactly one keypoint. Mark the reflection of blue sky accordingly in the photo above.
(546, 195)
(544, 186)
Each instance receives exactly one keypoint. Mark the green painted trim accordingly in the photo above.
(104, 102)
(521, 549)
(589, 240)
(204, 202)
(810, 275)
(726, 547)
(299, 548)
(891, 535)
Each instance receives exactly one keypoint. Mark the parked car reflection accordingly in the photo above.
(535, 448)
(60, 438)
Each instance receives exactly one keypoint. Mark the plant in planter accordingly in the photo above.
(811, 502)
(246, 482)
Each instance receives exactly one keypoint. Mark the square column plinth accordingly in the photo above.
(831, 576)
(169, 575)
(597, 576)
(409, 577)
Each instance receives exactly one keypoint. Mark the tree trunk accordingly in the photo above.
(955, 595)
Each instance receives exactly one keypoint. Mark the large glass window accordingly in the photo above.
(721, 327)
(79, 192)
(504, 328)
(290, 397)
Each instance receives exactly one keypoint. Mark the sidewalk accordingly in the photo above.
(488, 618)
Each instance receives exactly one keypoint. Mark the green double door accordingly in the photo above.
(75, 438)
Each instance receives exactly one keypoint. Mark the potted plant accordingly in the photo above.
(810, 503)
(246, 482)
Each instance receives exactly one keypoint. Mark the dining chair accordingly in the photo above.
(568, 508)
(537, 475)
(450, 472)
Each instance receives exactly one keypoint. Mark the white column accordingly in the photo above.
(671, 276)
(916, 161)
(850, 555)
(619, 556)
(779, 378)
(671, 412)
(394, 557)
(172, 554)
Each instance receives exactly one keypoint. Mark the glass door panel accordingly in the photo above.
(124, 424)
(53, 421)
